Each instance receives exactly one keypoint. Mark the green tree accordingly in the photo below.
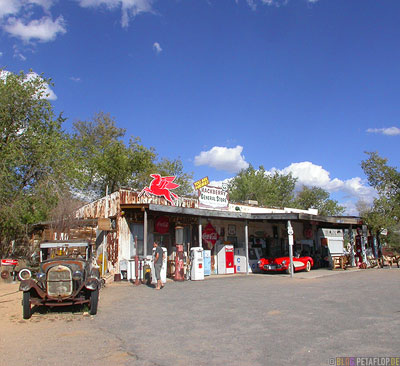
(167, 167)
(105, 160)
(268, 189)
(318, 198)
(385, 212)
(32, 158)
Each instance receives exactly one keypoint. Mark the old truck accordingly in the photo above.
(66, 276)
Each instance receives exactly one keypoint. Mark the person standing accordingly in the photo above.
(158, 261)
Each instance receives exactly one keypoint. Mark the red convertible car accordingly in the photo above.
(282, 264)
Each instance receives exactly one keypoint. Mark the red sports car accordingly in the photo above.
(282, 264)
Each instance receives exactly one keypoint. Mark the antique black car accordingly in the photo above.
(66, 277)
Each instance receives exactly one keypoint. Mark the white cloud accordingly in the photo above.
(253, 3)
(73, 78)
(129, 8)
(1, 53)
(310, 174)
(390, 131)
(8, 7)
(44, 29)
(352, 190)
(223, 158)
(48, 92)
(18, 53)
(17, 19)
(156, 47)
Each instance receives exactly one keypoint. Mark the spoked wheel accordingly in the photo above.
(26, 305)
(94, 300)
(308, 266)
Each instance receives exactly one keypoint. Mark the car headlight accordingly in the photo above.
(77, 275)
(259, 262)
(41, 276)
(284, 262)
(92, 284)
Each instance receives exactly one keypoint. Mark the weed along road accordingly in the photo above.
(234, 320)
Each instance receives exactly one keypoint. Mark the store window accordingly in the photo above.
(136, 230)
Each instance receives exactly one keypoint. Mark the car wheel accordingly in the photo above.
(308, 266)
(26, 305)
(5, 275)
(288, 270)
(94, 300)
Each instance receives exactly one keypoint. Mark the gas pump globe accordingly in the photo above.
(179, 269)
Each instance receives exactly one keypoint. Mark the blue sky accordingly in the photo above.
(299, 86)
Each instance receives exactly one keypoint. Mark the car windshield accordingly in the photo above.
(64, 250)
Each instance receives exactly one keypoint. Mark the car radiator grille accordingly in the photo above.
(59, 281)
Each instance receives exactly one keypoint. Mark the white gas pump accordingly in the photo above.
(163, 273)
(197, 261)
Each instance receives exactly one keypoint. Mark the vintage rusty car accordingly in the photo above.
(66, 276)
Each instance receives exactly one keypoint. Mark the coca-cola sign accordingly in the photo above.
(210, 236)
(162, 225)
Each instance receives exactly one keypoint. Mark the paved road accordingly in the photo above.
(240, 320)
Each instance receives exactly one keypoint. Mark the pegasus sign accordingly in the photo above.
(161, 186)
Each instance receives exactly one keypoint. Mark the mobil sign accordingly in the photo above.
(210, 236)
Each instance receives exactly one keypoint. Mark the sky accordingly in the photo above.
(300, 86)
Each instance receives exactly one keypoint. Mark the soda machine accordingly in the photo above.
(207, 263)
(226, 259)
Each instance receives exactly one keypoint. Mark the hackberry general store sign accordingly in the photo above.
(213, 197)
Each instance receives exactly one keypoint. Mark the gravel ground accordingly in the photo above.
(224, 320)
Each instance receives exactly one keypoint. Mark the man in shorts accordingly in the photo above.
(158, 260)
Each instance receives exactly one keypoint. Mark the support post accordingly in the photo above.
(290, 236)
(200, 234)
(246, 243)
(105, 236)
(145, 233)
(352, 254)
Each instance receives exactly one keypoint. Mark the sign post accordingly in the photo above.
(290, 236)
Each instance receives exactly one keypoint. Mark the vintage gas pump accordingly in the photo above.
(179, 265)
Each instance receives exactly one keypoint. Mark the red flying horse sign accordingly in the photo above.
(160, 186)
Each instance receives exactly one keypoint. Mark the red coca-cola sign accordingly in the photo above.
(9, 262)
(210, 236)
(162, 225)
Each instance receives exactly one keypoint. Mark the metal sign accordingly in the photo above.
(104, 224)
(210, 236)
(201, 183)
(161, 186)
(213, 197)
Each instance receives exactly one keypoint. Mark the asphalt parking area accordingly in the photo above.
(228, 320)
(261, 319)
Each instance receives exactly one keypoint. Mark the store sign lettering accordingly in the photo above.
(201, 183)
(213, 197)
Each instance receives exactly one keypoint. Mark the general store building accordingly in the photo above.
(254, 231)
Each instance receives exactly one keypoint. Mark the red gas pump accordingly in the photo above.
(358, 249)
(179, 272)
(179, 266)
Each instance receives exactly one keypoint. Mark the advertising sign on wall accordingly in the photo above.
(210, 236)
(213, 197)
(161, 225)
(201, 183)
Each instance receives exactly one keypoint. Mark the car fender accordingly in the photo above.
(31, 285)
